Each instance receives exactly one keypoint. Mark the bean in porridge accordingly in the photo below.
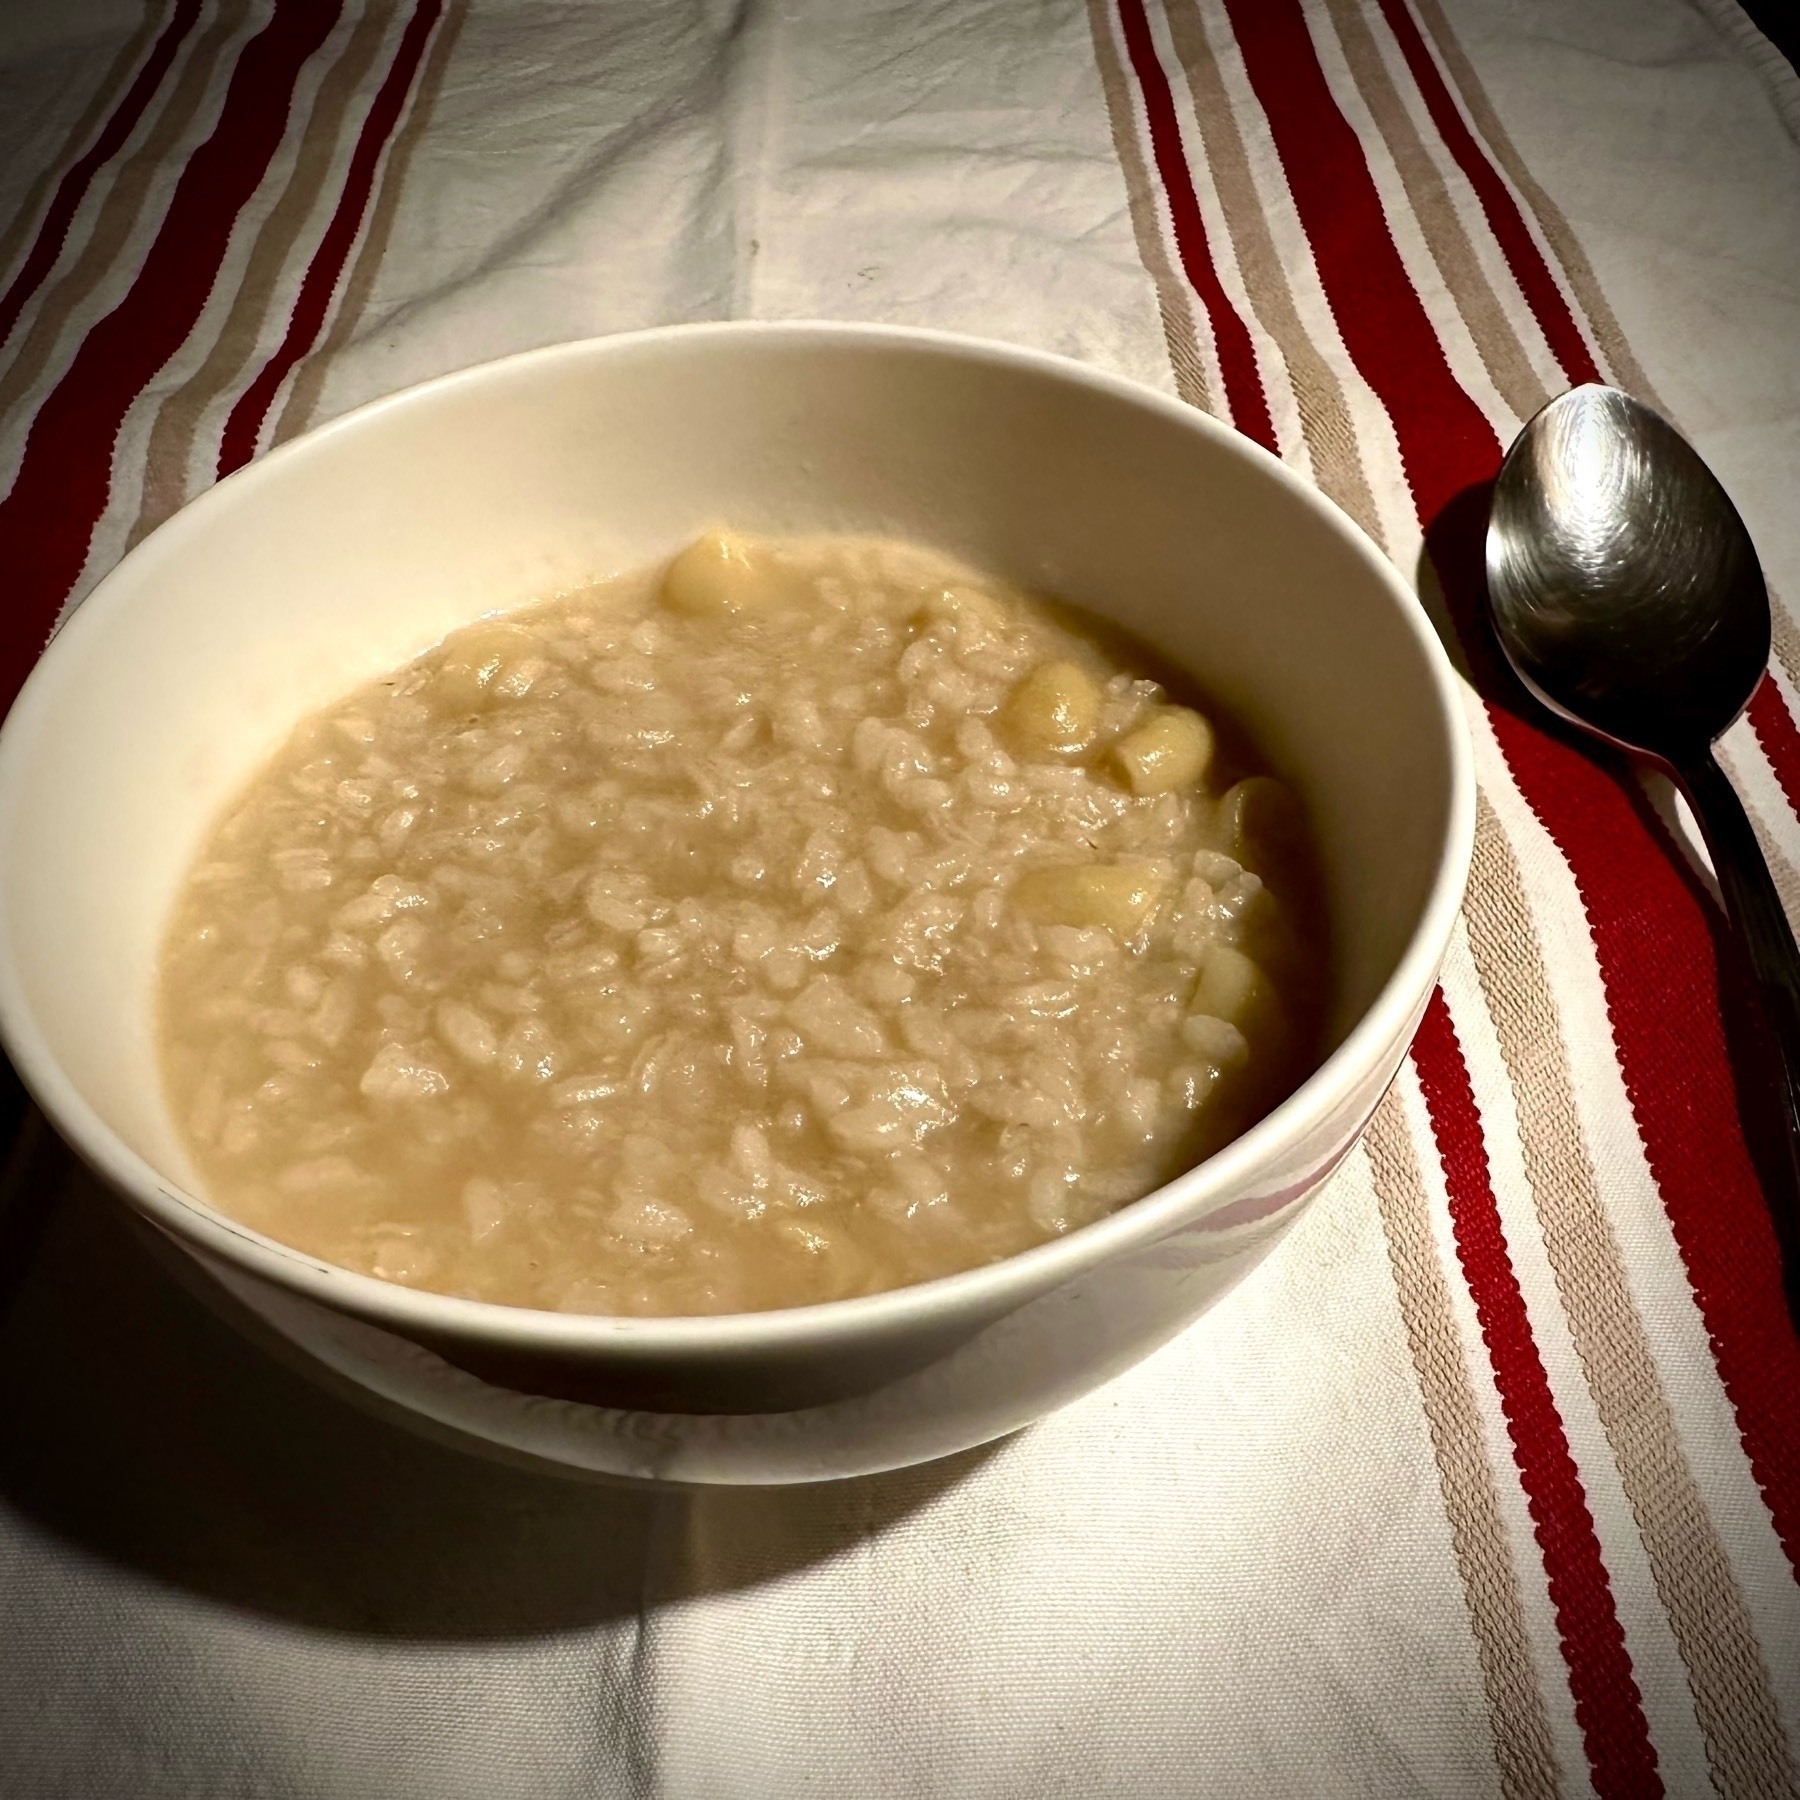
(809, 918)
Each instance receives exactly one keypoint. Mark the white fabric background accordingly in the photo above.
(1229, 1573)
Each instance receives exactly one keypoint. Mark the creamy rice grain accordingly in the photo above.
(810, 920)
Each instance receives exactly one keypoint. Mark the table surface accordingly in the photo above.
(1488, 1481)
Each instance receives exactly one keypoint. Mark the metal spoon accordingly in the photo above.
(1627, 596)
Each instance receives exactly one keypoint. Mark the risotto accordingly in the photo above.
(805, 919)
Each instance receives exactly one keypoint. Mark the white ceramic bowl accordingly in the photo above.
(356, 547)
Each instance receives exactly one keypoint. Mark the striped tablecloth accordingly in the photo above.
(1489, 1481)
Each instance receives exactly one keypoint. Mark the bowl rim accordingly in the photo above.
(990, 1288)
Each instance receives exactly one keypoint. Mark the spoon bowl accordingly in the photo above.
(1625, 590)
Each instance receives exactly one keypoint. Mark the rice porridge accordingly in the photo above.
(805, 919)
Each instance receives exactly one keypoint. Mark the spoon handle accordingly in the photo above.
(1755, 911)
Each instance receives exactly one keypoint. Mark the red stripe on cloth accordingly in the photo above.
(1608, 1707)
(1775, 731)
(1653, 942)
(53, 232)
(1658, 962)
(1504, 218)
(1366, 284)
(238, 444)
(1244, 395)
(47, 521)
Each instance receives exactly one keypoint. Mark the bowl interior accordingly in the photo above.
(362, 544)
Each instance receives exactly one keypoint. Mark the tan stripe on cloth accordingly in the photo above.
(178, 421)
(1325, 419)
(123, 208)
(1577, 270)
(1172, 296)
(1787, 639)
(25, 219)
(1499, 347)
(1523, 1751)
(1785, 876)
(309, 378)
(1746, 1747)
